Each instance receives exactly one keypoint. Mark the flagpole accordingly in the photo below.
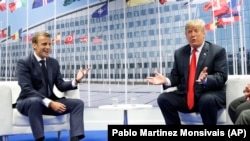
(109, 72)
(1, 26)
(241, 45)
(159, 38)
(125, 53)
(189, 9)
(233, 47)
(74, 54)
(27, 27)
(55, 33)
(89, 95)
(244, 39)
(214, 20)
(6, 43)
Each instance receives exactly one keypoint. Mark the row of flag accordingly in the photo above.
(4, 33)
(224, 12)
(15, 4)
(68, 39)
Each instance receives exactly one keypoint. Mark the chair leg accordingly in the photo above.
(4, 138)
(59, 134)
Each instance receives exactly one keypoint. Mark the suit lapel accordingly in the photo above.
(202, 58)
(186, 59)
(37, 68)
(49, 69)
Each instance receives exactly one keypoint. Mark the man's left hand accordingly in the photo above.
(82, 73)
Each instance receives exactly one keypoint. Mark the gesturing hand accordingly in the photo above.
(158, 79)
(203, 76)
(82, 73)
(246, 92)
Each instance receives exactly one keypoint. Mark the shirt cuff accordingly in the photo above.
(74, 83)
(168, 82)
(46, 102)
(203, 82)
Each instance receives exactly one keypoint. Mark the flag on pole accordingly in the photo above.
(131, 3)
(97, 39)
(5, 32)
(2, 5)
(213, 25)
(68, 2)
(219, 7)
(165, 1)
(17, 35)
(84, 38)
(101, 12)
(162, 1)
(69, 39)
(192, 2)
(226, 12)
(16, 4)
(27, 38)
(40, 3)
(58, 38)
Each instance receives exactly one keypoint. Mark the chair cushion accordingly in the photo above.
(22, 120)
(195, 118)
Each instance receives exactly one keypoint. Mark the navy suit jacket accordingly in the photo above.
(212, 56)
(31, 79)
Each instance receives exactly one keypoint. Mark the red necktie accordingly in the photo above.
(191, 80)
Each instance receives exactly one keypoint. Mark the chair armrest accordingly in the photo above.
(5, 109)
(73, 93)
(169, 88)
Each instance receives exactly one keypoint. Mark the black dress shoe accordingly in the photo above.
(77, 138)
(40, 139)
(74, 139)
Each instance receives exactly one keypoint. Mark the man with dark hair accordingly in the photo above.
(37, 74)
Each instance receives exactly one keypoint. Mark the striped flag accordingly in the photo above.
(97, 39)
(5, 32)
(16, 4)
(84, 38)
(165, 1)
(131, 3)
(17, 35)
(58, 38)
(68, 2)
(27, 38)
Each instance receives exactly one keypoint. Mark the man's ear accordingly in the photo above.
(34, 46)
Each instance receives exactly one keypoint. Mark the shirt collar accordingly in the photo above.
(199, 48)
(39, 58)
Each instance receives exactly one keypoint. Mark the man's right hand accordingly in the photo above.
(57, 106)
(158, 79)
(246, 92)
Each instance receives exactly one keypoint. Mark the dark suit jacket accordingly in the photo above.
(31, 79)
(212, 56)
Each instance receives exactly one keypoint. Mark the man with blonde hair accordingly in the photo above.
(199, 72)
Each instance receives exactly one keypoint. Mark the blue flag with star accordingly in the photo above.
(101, 12)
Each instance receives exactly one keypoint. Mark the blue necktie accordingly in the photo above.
(45, 73)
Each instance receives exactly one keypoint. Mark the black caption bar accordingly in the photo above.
(163, 132)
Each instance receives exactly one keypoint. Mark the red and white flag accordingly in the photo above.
(69, 39)
(84, 38)
(97, 39)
